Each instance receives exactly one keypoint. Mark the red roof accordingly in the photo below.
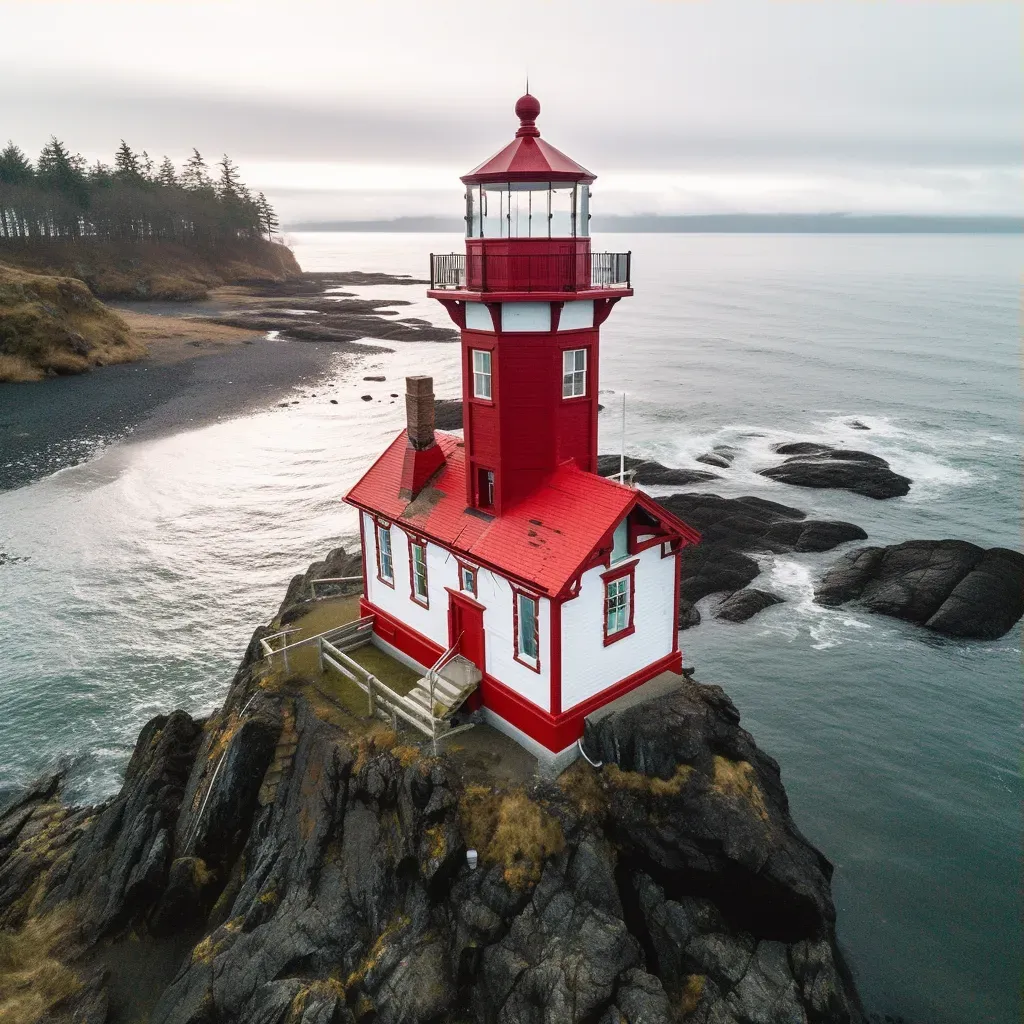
(543, 541)
(528, 157)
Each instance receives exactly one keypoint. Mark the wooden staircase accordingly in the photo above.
(429, 705)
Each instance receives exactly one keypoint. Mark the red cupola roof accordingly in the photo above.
(528, 157)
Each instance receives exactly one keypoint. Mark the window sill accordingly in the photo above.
(423, 602)
(387, 583)
(533, 666)
(620, 635)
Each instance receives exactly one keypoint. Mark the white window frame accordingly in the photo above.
(482, 380)
(574, 373)
(616, 605)
(467, 579)
(384, 552)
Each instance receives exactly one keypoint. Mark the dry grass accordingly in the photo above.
(583, 785)
(173, 338)
(54, 325)
(32, 978)
(375, 740)
(692, 991)
(638, 782)
(512, 830)
(736, 780)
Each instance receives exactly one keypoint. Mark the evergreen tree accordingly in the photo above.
(267, 216)
(230, 186)
(15, 167)
(195, 177)
(146, 168)
(126, 163)
(167, 176)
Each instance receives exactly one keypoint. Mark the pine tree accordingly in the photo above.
(194, 176)
(268, 219)
(230, 185)
(167, 176)
(146, 167)
(15, 167)
(126, 163)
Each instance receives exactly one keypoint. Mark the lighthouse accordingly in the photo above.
(560, 588)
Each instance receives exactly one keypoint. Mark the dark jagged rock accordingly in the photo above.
(722, 456)
(338, 564)
(732, 527)
(949, 586)
(819, 465)
(857, 425)
(650, 473)
(448, 413)
(689, 614)
(318, 873)
(745, 604)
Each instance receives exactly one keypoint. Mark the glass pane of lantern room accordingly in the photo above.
(495, 210)
(561, 211)
(583, 211)
(473, 211)
(540, 215)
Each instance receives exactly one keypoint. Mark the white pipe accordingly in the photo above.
(593, 764)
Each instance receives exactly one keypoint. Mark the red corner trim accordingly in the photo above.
(362, 542)
(456, 310)
(628, 569)
(602, 310)
(516, 591)
(494, 308)
(555, 669)
(556, 314)
(677, 569)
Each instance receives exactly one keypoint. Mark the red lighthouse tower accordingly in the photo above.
(548, 590)
(530, 297)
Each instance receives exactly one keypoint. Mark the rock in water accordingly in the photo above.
(949, 586)
(648, 472)
(722, 456)
(745, 604)
(448, 413)
(819, 465)
(731, 528)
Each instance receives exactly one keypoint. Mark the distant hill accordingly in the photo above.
(764, 223)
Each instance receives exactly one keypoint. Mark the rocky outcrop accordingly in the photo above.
(819, 465)
(745, 604)
(722, 456)
(949, 586)
(338, 564)
(651, 473)
(734, 529)
(667, 885)
(448, 413)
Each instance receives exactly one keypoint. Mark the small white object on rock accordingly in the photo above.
(471, 859)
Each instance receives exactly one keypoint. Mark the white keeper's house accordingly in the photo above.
(560, 586)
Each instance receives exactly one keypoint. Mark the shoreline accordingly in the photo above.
(42, 432)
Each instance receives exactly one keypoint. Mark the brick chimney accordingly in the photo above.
(423, 456)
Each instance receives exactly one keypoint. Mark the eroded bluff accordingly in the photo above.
(302, 872)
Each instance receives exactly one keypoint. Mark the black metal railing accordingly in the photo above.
(494, 272)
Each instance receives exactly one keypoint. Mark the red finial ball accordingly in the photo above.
(527, 107)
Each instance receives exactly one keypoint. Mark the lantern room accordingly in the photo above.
(528, 222)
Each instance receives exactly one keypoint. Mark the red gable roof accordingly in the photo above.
(543, 541)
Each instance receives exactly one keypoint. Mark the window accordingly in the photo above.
(481, 373)
(418, 571)
(485, 488)
(385, 563)
(620, 541)
(574, 373)
(467, 579)
(619, 589)
(526, 617)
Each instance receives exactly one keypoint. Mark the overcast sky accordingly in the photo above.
(373, 109)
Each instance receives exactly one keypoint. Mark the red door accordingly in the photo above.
(466, 624)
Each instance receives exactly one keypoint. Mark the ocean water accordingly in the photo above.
(143, 571)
